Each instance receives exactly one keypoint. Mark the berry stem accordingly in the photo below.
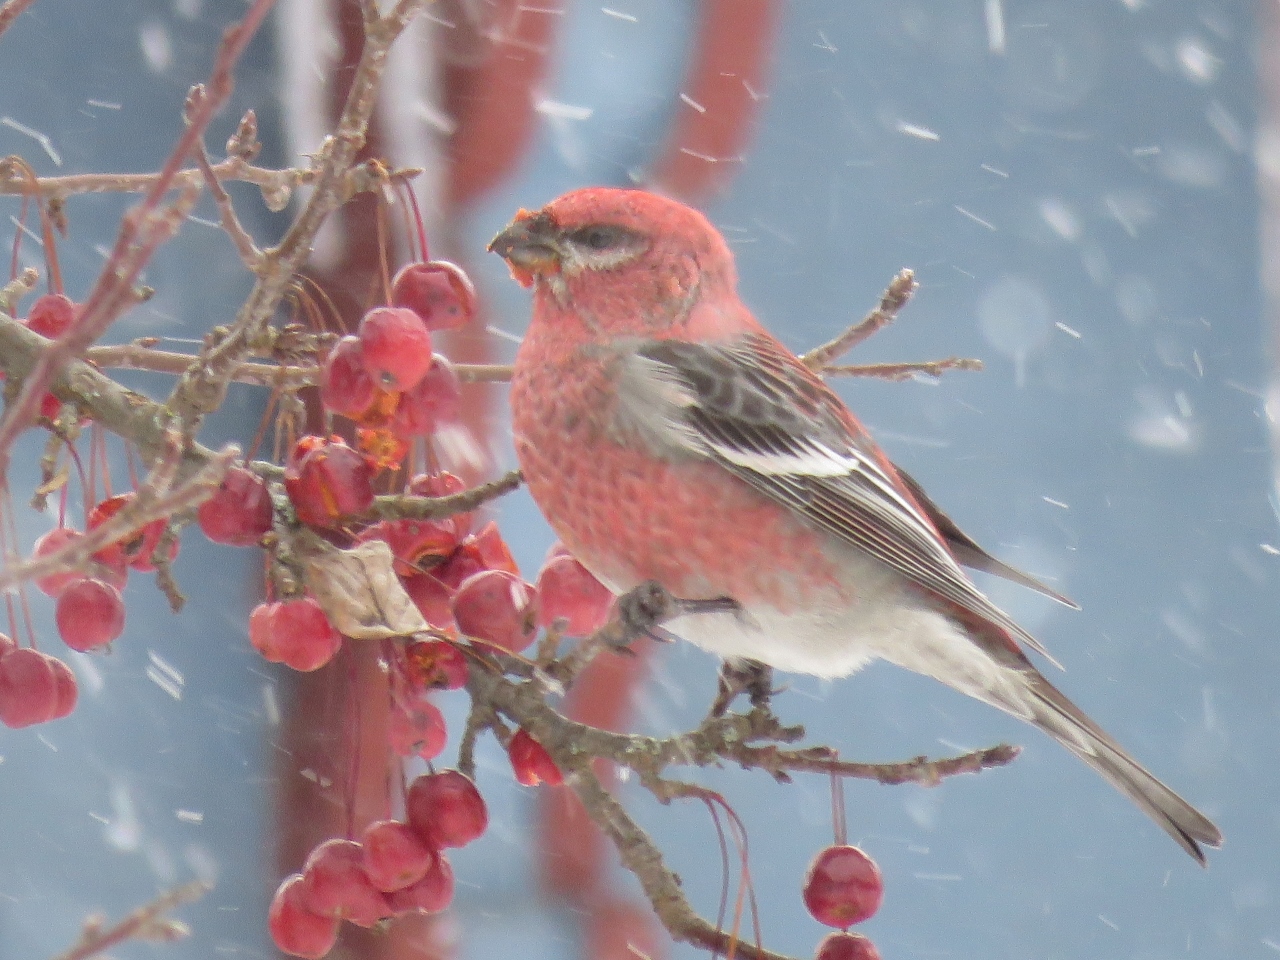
(417, 216)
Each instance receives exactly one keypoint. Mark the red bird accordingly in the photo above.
(667, 436)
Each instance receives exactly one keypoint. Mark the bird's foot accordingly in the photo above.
(751, 677)
(641, 612)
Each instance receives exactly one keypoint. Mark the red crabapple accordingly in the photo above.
(294, 632)
(395, 346)
(346, 388)
(431, 894)
(436, 399)
(51, 315)
(846, 946)
(843, 886)
(437, 291)
(417, 730)
(394, 857)
(531, 762)
(335, 884)
(136, 548)
(239, 512)
(89, 614)
(497, 608)
(28, 688)
(445, 809)
(567, 591)
(493, 550)
(53, 541)
(295, 929)
(327, 481)
(435, 665)
(433, 600)
(416, 544)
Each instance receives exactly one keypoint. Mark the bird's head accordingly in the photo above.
(602, 242)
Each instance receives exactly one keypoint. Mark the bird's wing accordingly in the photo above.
(750, 406)
(968, 552)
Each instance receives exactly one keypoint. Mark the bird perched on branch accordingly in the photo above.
(668, 437)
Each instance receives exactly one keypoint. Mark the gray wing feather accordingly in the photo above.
(745, 406)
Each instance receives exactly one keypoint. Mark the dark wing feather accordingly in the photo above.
(749, 406)
(968, 552)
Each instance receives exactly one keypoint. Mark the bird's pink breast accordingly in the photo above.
(631, 516)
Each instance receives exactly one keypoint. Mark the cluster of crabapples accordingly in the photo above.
(464, 582)
(89, 611)
(396, 867)
(843, 886)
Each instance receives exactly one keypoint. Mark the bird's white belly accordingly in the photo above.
(880, 618)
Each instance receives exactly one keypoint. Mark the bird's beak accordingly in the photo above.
(530, 246)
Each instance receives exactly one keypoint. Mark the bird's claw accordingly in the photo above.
(641, 611)
(751, 677)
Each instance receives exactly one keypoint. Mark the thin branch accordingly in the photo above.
(277, 185)
(893, 299)
(202, 387)
(140, 355)
(903, 371)
(231, 224)
(574, 747)
(404, 507)
(146, 923)
(125, 413)
(919, 770)
(643, 858)
(142, 231)
(157, 499)
(524, 704)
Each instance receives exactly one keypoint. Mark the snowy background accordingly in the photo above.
(1074, 185)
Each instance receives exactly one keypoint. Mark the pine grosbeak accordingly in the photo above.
(667, 436)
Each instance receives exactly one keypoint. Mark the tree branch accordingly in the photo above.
(903, 371)
(157, 499)
(893, 299)
(143, 230)
(146, 923)
(202, 387)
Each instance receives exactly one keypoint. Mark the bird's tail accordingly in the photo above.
(1053, 713)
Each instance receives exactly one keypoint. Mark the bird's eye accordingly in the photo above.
(599, 238)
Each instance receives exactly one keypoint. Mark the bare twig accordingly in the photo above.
(404, 507)
(203, 386)
(146, 923)
(16, 289)
(524, 704)
(142, 231)
(125, 413)
(156, 499)
(735, 737)
(231, 224)
(893, 299)
(903, 371)
(140, 355)
(277, 186)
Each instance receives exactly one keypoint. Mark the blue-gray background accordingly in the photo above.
(1079, 204)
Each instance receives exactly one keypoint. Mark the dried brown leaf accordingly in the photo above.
(358, 589)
